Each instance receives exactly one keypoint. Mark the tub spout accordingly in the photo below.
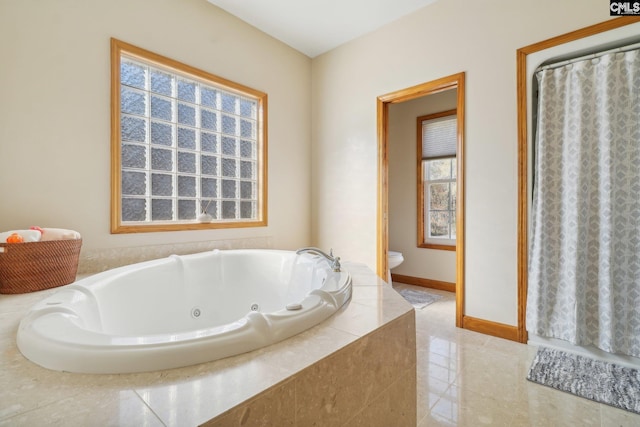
(334, 262)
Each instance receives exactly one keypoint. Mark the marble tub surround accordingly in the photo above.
(98, 260)
(370, 382)
(198, 394)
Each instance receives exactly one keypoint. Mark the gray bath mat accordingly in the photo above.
(419, 299)
(596, 380)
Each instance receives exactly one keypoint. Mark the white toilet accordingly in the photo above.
(394, 259)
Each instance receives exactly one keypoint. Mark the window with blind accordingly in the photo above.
(437, 144)
(188, 148)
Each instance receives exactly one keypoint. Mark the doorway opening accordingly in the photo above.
(456, 81)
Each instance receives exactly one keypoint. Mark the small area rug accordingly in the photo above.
(596, 380)
(419, 299)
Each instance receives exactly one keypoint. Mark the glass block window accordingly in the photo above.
(185, 143)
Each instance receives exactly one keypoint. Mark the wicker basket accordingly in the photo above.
(34, 266)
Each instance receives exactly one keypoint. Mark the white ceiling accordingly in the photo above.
(317, 26)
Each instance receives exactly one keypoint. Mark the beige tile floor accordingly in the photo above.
(470, 379)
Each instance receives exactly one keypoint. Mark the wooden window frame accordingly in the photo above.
(120, 49)
(422, 243)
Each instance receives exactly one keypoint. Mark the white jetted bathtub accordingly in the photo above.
(181, 310)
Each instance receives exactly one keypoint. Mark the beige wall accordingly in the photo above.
(54, 118)
(447, 37)
(403, 223)
(54, 110)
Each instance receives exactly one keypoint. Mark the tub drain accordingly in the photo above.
(195, 312)
(255, 307)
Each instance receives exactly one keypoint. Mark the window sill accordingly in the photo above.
(183, 226)
(437, 246)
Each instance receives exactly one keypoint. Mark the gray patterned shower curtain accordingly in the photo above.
(584, 265)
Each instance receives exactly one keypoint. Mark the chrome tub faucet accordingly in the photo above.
(334, 262)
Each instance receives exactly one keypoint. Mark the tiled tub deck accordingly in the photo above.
(356, 368)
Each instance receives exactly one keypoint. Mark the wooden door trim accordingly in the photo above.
(455, 81)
